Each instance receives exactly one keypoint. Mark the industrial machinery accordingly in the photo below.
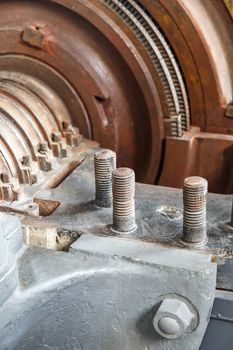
(93, 94)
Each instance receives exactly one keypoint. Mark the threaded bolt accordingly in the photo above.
(123, 200)
(105, 163)
(27, 161)
(176, 126)
(43, 147)
(194, 197)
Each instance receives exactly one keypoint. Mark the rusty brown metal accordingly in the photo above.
(126, 73)
(111, 73)
(27, 126)
(34, 36)
(38, 144)
(202, 154)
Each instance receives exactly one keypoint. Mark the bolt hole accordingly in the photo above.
(100, 99)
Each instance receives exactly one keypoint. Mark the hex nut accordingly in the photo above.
(173, 319)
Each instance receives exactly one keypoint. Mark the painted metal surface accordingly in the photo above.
(103, 295)
(219, 331)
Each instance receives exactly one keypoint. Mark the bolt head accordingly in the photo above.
(56, 136)
(173, 319)
(5, 178)
(43, 147)
(169, 325)
(65, 124)
(27, 160)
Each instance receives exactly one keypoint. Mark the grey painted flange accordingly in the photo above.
(102, 295)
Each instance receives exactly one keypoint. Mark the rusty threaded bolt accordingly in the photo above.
(27, 160)
(123, 200)
(105, 163)
(194, 198)
(43, 147)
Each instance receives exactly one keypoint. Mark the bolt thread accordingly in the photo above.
(105, 163)
(123, 200)
(194, 198)
(176, 126)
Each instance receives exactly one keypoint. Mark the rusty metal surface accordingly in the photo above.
(117, 95)
(202, 154)
(128, 72)
(37, 139)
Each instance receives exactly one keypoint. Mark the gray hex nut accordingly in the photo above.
(173, 319)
